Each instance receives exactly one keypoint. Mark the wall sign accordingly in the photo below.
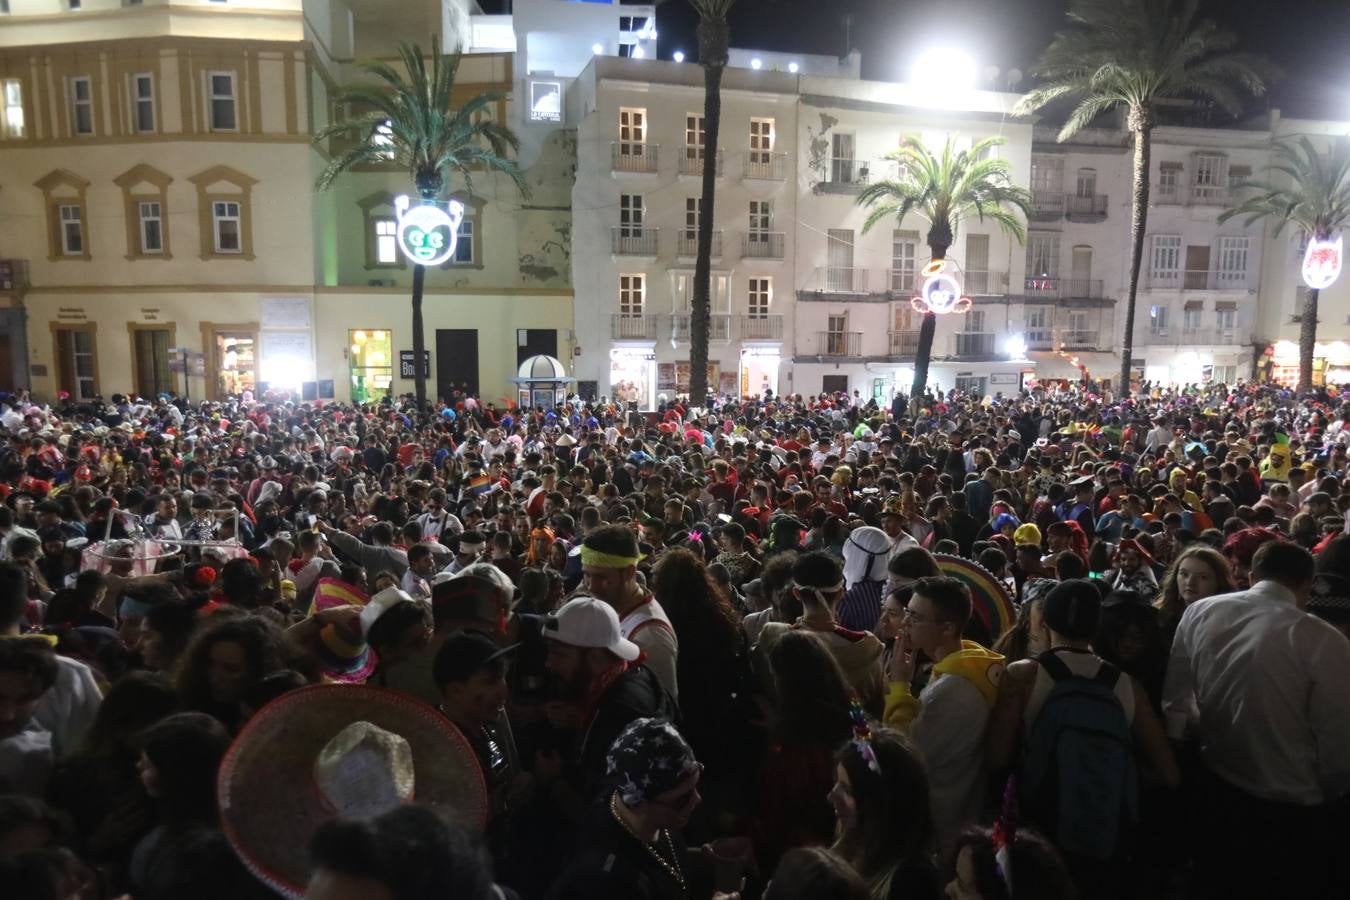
(545, 101)
(1322, 262)
(405, 364)
(427, 233)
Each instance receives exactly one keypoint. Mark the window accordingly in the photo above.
(74, 4)
(81, 105)
(1236, 176)
(143, 102)
(761, 141)
(1191, 316)
(76, 369)
(695, 138)
(1087, 184)
(839, 272)
(383, 137)
(632, 294)
(72, 231)
(1225, 374)
(632, 126)
(1157, 320)
(151, 227)
(150, 360)
(761, 219)
(1169, 176)
(630, 215)
(226, 226)
(1211, 177)
(386, 244)
(842, 164)
(1043, 255)
(13, 98)
(1227, 319)
(837, 324)
(1233, 261)
(1165, 256)
(220, 97)
(760, 294)
(1047, 173)
(1038, 326)
(904, 250)
(974, 323)
(464, 244)
(692, 207)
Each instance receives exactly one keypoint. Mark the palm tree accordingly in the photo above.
(410, 121)
(944, 190)
(1130, 54)
(713, 42)
(1309, 190)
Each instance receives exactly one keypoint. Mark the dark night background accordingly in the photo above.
(1308, 39)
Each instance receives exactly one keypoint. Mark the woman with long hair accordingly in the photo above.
(1197, 572)
(884, 824)
(807, 719)
(1034, 866)
(224, 658)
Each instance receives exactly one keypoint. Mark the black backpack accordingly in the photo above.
(1079, 780)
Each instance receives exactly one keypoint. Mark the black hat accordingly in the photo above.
(463, 654)
(1074, 609)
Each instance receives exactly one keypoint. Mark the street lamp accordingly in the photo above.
(1016, 347)
(942, 71)
(679, 56)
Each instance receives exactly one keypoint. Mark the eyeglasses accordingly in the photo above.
(916, 619)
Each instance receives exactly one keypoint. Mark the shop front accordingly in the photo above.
(1331, 363)
(370, 363)
(632, 375)
(759, 371)
(232, 355)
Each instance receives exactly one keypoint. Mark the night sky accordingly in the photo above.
(1309, 40)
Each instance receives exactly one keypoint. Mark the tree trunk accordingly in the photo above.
(419, 339)
(1307, 340)
(1141, 125)
(923, 354)
(712, 43)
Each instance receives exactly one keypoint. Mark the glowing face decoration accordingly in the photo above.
(941, 293)
(427, 234)
(1322, 262)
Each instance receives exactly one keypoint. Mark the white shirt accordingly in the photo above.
(68, 709)
(1266, 684)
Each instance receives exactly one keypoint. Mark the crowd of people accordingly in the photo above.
(256, 648)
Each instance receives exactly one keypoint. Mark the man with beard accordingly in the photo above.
(601, 687)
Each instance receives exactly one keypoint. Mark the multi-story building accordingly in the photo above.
(158, 171)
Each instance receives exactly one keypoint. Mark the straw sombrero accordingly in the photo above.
(271, 782)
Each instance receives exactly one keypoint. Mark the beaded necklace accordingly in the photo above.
(671, 866)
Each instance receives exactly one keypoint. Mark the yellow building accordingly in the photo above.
(157, 196)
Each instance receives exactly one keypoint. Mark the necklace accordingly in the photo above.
(671, 866)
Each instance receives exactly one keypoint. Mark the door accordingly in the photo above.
(456, 361)
(1197, 267)
(6, 364)
(841, 159)
(1081, 279)
(151, 347)
(977, 263)
(236, 363)
(839, 268)
(535, 342)
(75, 364)
(834, 384)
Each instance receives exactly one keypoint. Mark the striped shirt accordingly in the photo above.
(860, 607)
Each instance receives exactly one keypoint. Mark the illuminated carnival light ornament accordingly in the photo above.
(1322, 262)
(941, 292)
(427, 233)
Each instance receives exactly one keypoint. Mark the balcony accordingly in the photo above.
(902, 281)
(762, 245)
(719, 326)
(839, 343)
(761, 328)
(986, 283)
(691, 161)
(841, 280)
(1197, 336)
(975, 344)
(1209, 195)
(632, 327)
(1199, 280)
(13, 276)
(904, 343)
(634, 156)
(846, 176)
(1085, 209)
(632, 240)
(1065, 288)
(1063, 339)
(686, 244)
(1046, 206)
(1165, 194)
(764, 165)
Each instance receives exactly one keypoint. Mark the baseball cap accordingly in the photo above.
(587, 622)
(463, 654)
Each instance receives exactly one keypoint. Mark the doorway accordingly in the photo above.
(236, 359)
(1197, 267)
(834, 384)
(77, 361)
(536, 342)
(150, 373)
(6, 364)
(759, 372)
(456, 362)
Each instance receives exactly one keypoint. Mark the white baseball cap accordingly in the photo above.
(587, 622)
(380, 604)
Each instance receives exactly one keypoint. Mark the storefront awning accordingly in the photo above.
(1052, 365)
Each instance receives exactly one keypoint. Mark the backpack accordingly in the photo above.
(1079, 780)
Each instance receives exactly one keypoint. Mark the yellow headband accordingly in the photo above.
(602, 560)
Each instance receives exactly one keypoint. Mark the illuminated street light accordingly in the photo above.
(943, 70)
(638, 53)
(597, 49)
(756, 64)
(1015, 347)
(792, 67)
(679, 56)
